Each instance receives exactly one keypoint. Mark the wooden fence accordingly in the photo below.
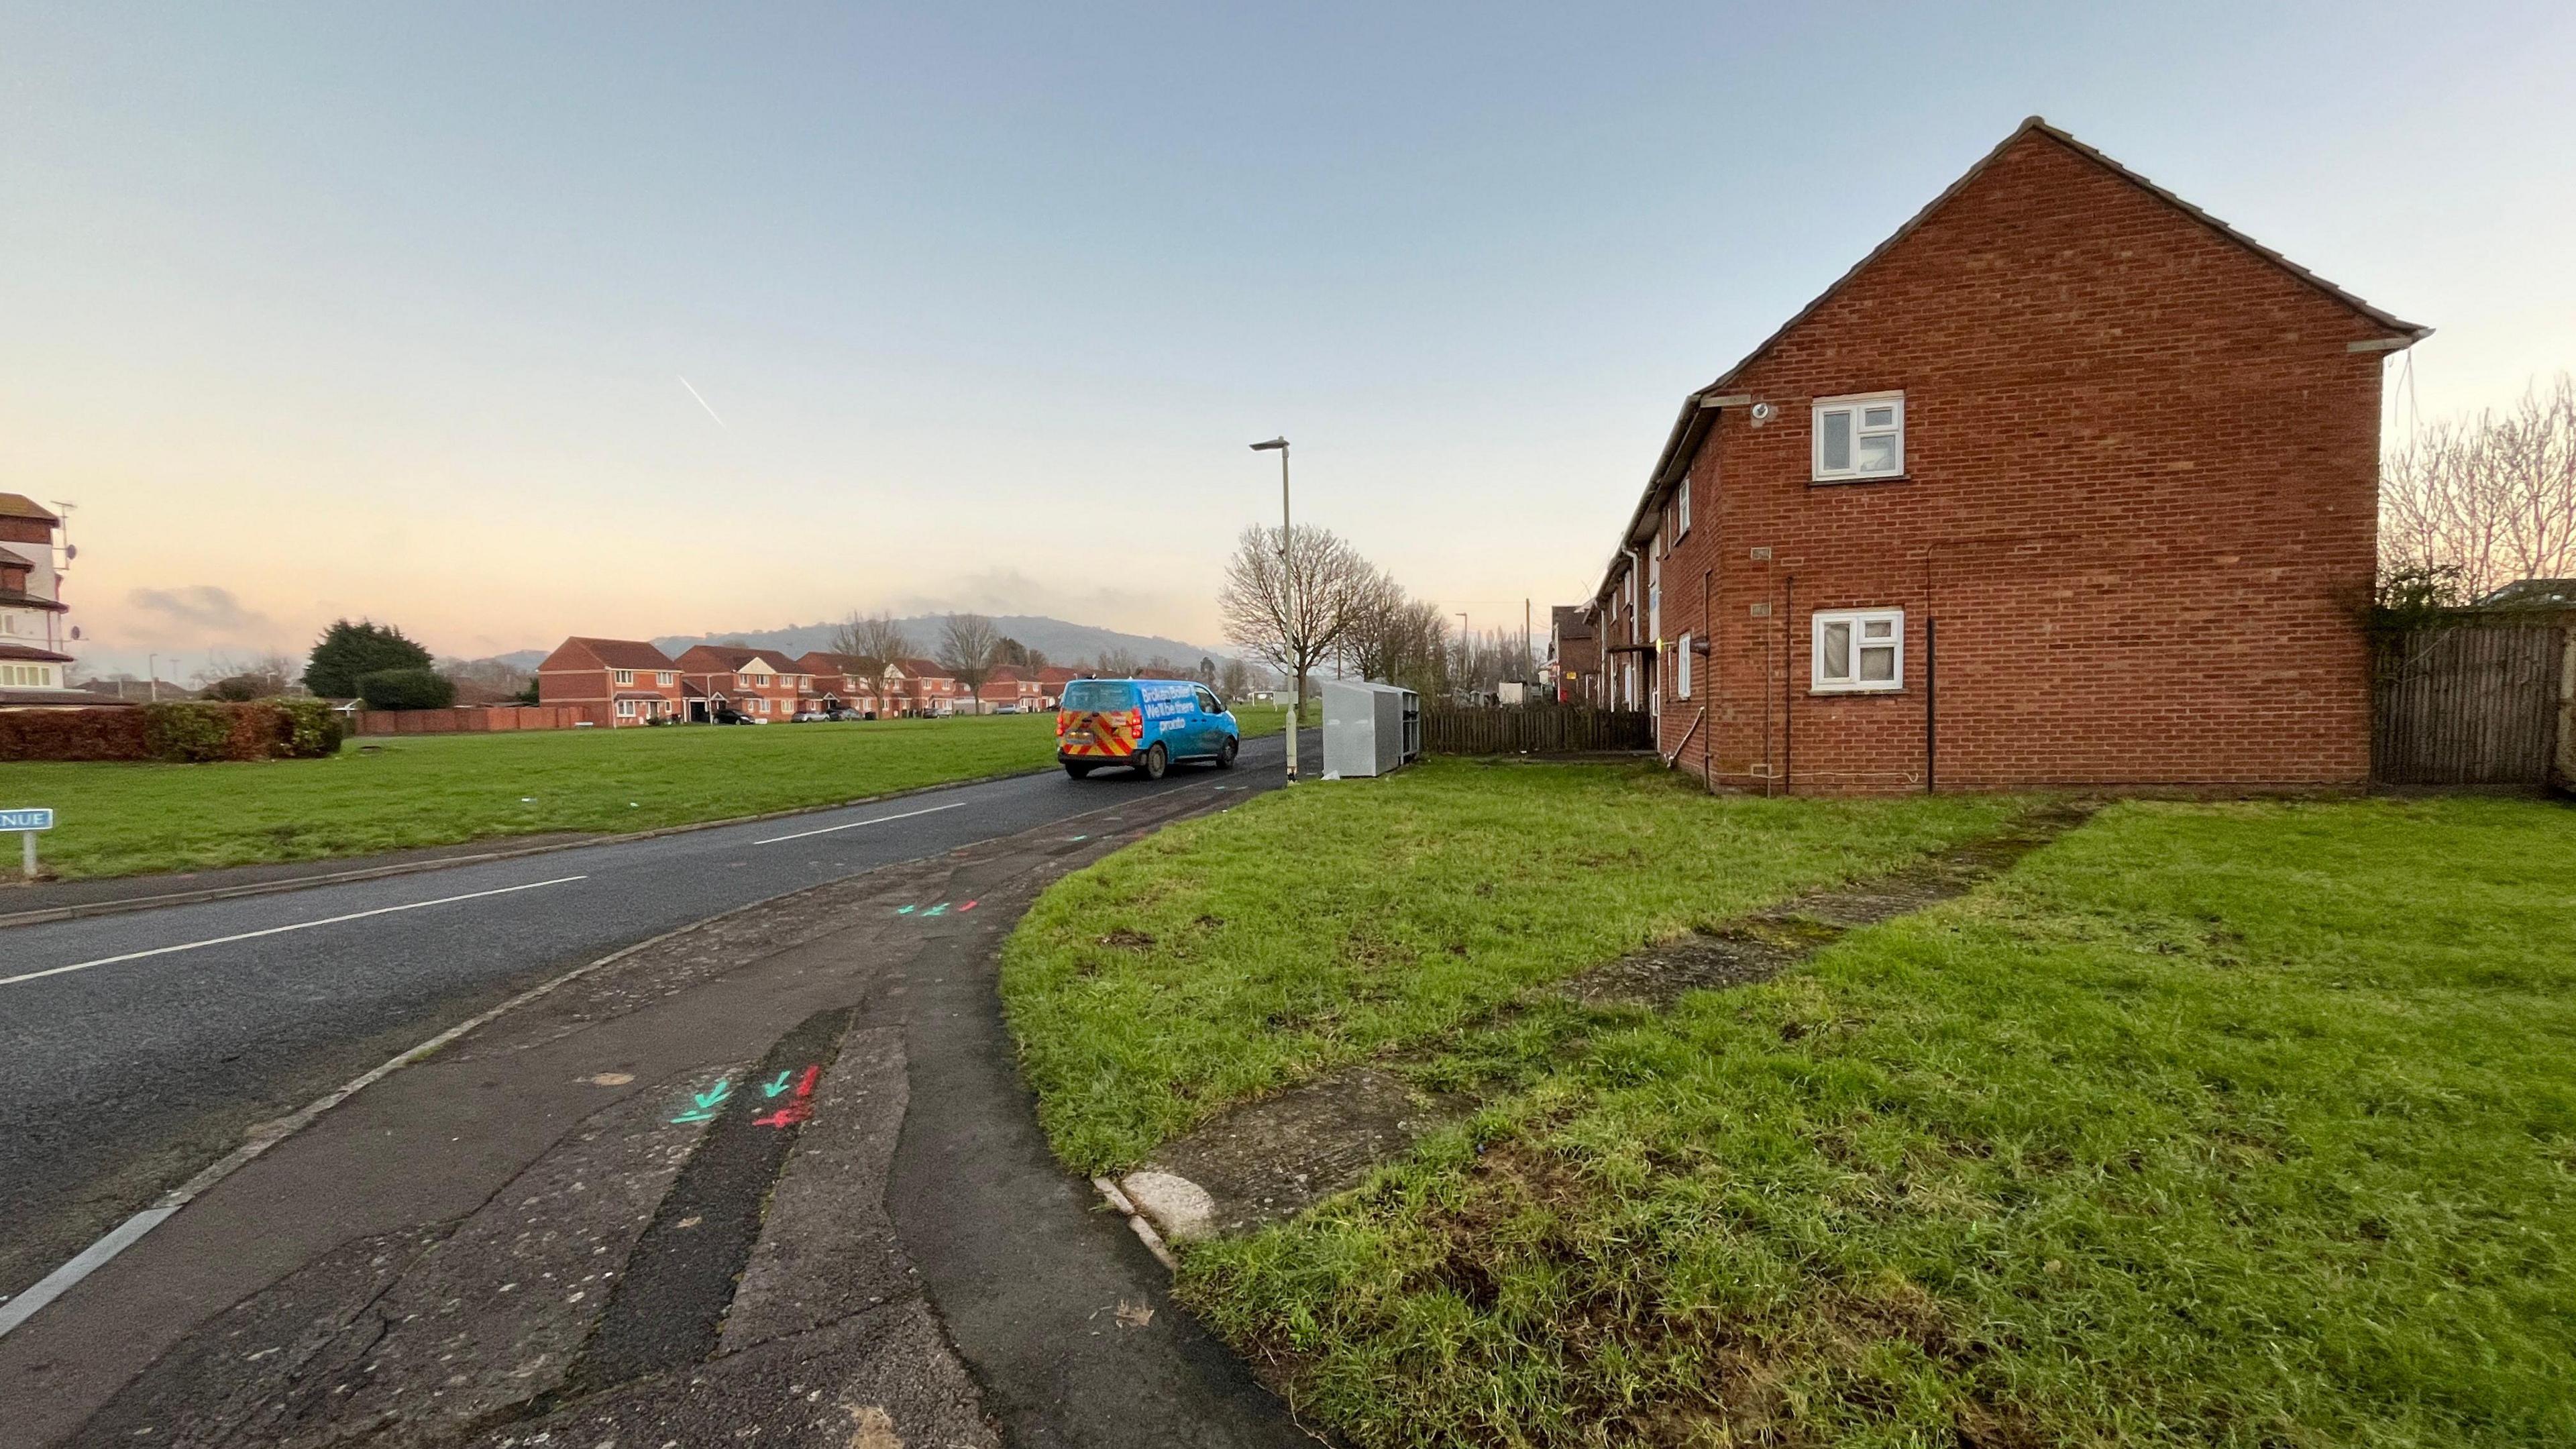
(2468, 706)
(1534, 730)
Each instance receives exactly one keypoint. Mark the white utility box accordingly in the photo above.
(1369, 728)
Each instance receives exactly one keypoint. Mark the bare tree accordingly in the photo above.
(970, 649)
(1486, 660)
(1234, 681)
(1291, 606)
(1114, 664)
(2492, 497)
(874, 641)
(271, 674)
(1397, 638)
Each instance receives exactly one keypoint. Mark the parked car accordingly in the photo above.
(727, 714)
(1143, 724)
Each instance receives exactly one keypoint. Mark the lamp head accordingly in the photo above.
(1274, 443)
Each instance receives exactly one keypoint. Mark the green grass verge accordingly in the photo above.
(2210, 1124)
(125, 819)
(2241, 1124)
(1227, 956)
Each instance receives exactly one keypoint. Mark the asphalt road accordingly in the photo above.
(135, 1049)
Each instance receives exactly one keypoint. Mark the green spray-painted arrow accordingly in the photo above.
(715, 1094)
(772, 1089)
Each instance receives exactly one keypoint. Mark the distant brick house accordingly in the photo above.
(922, 687)
(761, 683)
(843, 681)
(1010, 688)
(614, 682)
(1573, 655)
(2067, 483)
(1051, 683)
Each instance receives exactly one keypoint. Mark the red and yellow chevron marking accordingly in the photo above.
(1108, 732)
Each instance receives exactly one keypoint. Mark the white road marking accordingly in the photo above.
(279, 930)
(855, 824)
(23, 1307)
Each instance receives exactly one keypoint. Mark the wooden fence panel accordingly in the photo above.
(2466, 706)
(1536, 730)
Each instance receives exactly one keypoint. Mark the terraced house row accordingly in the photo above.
(2067, 483)
(621, 682)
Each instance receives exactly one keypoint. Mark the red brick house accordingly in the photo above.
(1051, 683)
(844, 680)
(1010, 688)
(2067, 483)
(1573, 655)
(614, 682)
(761, 683)
(921, 687)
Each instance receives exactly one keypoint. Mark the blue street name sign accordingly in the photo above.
(39, 819)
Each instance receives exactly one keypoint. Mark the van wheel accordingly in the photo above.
(1225, 755)
(1155, 762)
(1079, 772)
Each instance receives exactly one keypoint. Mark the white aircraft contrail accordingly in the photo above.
(702, 402)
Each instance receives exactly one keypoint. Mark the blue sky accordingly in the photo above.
(316, 311)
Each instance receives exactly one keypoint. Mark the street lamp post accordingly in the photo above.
(1287, 599)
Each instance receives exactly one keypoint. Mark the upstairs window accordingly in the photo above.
(1860, 437)
(1681, 508)
(625, 676)
(662, 677)
(1858, 650)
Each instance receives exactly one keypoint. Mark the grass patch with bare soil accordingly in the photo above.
(1228, 957)
(2235, 1123)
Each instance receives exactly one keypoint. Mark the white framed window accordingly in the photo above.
(1654, 597)
(1860, 437)
(1681, 507)
(662, 677)
(626, 709)
(1682, 669)
(1858, 650)
(623, 676)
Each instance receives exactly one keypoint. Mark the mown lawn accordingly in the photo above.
(2246, 1124)
(124, 819)
(1228, 956)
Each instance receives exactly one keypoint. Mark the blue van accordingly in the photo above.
(1145, 724)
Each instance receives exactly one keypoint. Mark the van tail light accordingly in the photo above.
(1135, 719)
(1059, 726)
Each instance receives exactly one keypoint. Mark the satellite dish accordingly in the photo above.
(1764, 412)
(76, 631)
(70, 551)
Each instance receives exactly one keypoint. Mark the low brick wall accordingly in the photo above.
(474, 719)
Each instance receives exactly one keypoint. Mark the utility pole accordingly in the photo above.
(1288, 601)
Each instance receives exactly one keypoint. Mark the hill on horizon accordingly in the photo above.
(1059, 640)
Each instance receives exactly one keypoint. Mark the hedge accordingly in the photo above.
(406, 689)
(179, 731)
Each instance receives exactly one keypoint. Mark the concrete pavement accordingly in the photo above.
(122, 1078)
(537, 1235)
